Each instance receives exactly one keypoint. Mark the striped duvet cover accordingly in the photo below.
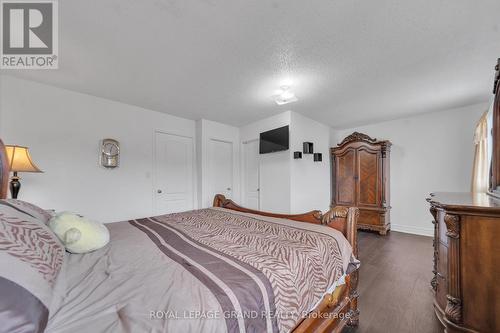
(209, 270)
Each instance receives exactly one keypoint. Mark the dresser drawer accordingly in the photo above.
(442, 275)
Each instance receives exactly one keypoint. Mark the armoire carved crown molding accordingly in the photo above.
(357, 136)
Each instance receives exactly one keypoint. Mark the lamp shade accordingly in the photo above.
(20, 160)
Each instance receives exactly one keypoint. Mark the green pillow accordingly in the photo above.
(78, 234)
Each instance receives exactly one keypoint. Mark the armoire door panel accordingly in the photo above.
(345, 177)
(368, 178)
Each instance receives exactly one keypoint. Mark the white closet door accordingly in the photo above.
(251, 174)
(173, 173)
(221, 168)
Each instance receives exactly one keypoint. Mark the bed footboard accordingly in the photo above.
(340, 308)
(336, 311)
(341, 218)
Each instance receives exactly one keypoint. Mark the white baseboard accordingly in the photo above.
(412, 230)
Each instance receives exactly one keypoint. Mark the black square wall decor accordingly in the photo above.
(297, 154)
(308, 148)
(318, 157)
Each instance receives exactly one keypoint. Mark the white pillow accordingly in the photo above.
(78, 234)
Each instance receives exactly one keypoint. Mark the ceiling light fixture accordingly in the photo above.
(284, 96)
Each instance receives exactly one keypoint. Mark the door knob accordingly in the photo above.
(229, 189)
(159, 191)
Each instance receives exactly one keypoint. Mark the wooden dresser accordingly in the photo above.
(360, 178)
(466, 269)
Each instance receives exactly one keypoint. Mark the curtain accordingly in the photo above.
(480, 170)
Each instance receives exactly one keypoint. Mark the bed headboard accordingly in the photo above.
(341, 218)
(4, 171)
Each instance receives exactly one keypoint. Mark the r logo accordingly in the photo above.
(28, 32)
(27, 28)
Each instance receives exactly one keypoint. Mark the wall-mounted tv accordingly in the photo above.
(274, 140)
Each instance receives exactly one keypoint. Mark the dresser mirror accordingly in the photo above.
(494, 188)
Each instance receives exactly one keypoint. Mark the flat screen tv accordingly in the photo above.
(274, 140)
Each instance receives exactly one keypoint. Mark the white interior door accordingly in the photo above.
(251, 174)
(221, 167)
(173, 173)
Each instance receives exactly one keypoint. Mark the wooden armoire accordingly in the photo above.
(360, 178)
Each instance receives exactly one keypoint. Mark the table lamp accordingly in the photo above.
(19, 160)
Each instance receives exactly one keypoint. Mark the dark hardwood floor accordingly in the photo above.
(394, 284)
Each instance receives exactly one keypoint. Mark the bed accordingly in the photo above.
(221, 269)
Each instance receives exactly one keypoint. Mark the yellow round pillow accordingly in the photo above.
(78, 234)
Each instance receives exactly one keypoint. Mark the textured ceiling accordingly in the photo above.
(349, 62)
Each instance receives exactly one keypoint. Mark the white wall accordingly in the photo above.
(210, 130)
(63, 130)
(310, 181)
(275, 185)
(288, 185)
(430, 153)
